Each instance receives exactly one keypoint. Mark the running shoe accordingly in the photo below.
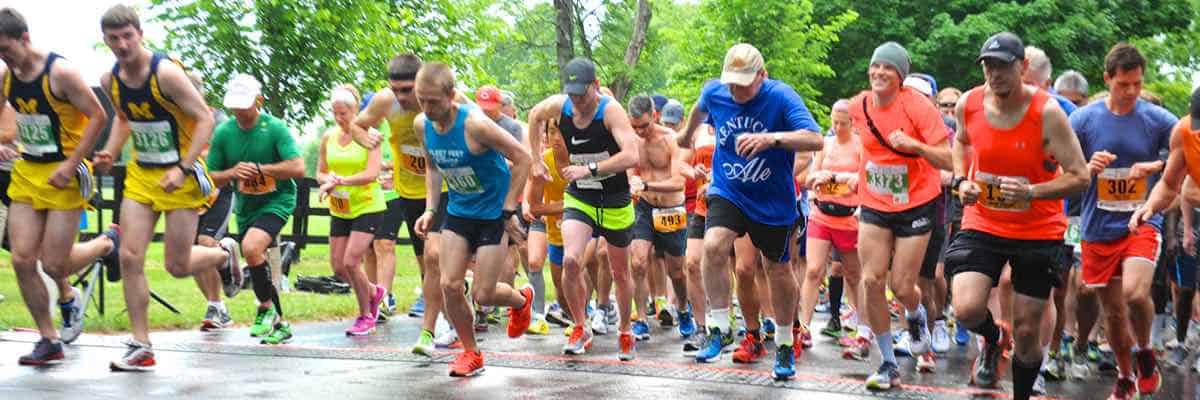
(557, 316)
(599, 325)
(987, 364)
(481, 320)
(918, 332)
(263, 322)
(1054, 368)
(282, 333)
(961, 335)
(941, 337)
(847, 341)
(467, 364)
(1177, 358)
(926, 362)
(902, 344)
(750, 350)
(861, 350)
(803, 337)
(768, 329)
(785, 363)
(215, 318)
(112, 259)
(666, 314)
(641, 330)
(1093, 351)
(364, 325)
(628, 345)
(45, 352)
(1079, 368)
(538, 326)
(887, 376)
(1148, 378)
(833, 329)
(687, 324)
(138, 358)
(1107, 361)
(72, 317)
(389, 305)
(519, 319)
(579, 342)
(378, 295)
(1039, 386)
(424, 345)
(1123, 390)
(692, 345)
(232, 276)
(448, 340)
(711, 352)
(850, 320)
(493, 315)
(418, 308)
(610, 314)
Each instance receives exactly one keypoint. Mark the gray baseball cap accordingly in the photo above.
(580, 73)
(672, 112)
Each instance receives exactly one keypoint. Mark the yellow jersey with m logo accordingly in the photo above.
(160, 129)
(48, 128)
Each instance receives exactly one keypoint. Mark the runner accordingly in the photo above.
(760, 124)
(212, 227)
(1183, 273)
(1014, 212)
(491, 101)
(545, 209)
(1072, 85)
(898, 199)
(601, 146)
(701, 150)
(347, 173)
(661, 215)
(170, 125)
(1126, 139)
(470, 152)
(833, 225)
(57, 120)
(398, 105)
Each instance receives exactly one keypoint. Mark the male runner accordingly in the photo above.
(58, 119)
(1015, 139)
(545, 209)
(601, 146)
(170, 124)
(470, 152)
(904, 145)
(701, 150)
(1127, 140)
(398, 105)
(760, 124)
(661, 216)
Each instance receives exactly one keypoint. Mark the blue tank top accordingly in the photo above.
(478, 182)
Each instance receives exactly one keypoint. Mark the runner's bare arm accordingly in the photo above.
(803, 166)
(67, 79)
(694, 122)
(492, 136)
(377, 110)
(962, 146)
(433, 186)
(1172, 178)
(817, 174)
(1063, 145)
(539, 117)
(174, 83)
(117, 136)
(618, 123)
(367, 176)
(8, 122)
(537, 204)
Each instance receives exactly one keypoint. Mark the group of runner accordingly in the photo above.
(957, 193)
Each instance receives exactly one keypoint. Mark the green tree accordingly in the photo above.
(299, 49)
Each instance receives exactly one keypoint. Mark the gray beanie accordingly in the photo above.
(892, 53)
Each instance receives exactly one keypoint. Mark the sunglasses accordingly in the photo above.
(947, 105)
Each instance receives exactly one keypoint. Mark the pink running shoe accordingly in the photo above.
(363, 326)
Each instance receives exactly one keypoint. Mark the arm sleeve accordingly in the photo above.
(797, 115)
(285, 145)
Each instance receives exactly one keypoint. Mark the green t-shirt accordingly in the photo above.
(269, 142)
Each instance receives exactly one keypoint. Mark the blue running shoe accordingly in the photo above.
(961, 335)
(768, 329)
(418, 308)
(785, 363)
(687, 325)
(711, 352)
(641, 330)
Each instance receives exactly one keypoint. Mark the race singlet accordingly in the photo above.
(37, 134)
(258, 185)
(1116, 192)
(889, 180)
(153, 142)
(667, 220)
(339, 202)
(412, 159)
(462, 180)
(990, 197)
(590, 182)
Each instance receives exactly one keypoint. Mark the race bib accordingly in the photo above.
(891, 180)
(37, 134)
(1118, 193)
(833, 189)
(667, 220)
(153, 142)
(339, 202)
(412, 160)
(1074, 234)
(990, 196)
(590, 182)
(462, 180)
(258, 185)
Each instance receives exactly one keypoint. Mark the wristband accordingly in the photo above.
(182, 168)
(429, 210)
(507, 214)
(258, 167)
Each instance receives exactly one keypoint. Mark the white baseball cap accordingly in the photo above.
(742, 63)
(241, 92)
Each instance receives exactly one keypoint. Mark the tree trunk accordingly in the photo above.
(584, 44)
(637, 42)
(564, 40)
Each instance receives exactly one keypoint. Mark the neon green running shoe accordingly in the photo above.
(280, 335)
(263, 322)
(424, 344)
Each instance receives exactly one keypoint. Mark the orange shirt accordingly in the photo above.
(1015, 153)
(702, 156)
(889, 182)
(1191, 146)
(838, 158)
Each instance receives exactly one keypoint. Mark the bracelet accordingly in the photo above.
(429, 210)
(182, 168)
(505, 215)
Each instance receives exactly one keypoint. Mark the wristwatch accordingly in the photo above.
(593, 167)
(958, 180)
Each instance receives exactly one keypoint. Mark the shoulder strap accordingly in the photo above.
(879, 136)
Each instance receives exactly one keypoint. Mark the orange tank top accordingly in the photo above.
(1015, 153)
(702, 156)
(1191, 146)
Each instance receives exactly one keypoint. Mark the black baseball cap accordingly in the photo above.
(1005, 47)
(580, 73)
(1195, 109)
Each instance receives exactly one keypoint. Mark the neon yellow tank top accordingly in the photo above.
(349, 202)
